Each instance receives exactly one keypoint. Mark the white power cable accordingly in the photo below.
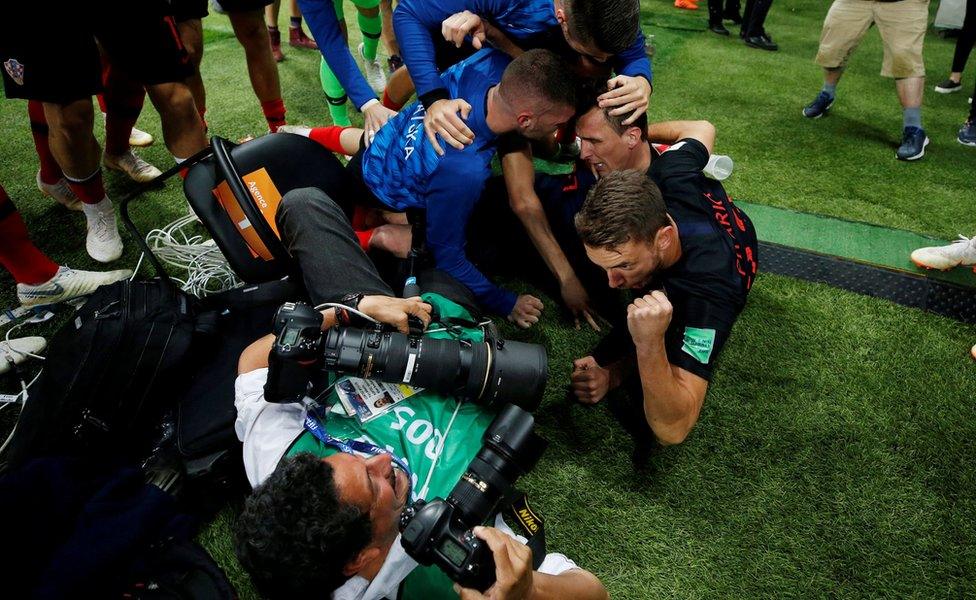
(206, 268)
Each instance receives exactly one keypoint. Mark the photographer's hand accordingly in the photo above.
(513, 568)
(395, 311)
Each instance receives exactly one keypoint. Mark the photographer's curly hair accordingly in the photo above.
(295, 535)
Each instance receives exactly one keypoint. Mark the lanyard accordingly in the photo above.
(314, 425)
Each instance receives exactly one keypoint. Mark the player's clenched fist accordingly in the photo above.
(648, 318)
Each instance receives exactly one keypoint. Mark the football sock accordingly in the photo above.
(328, 137)
(90, 190)
(50, 170)
(389, 103)
(334, 93)
(18, 254)
(829, 88)
(913, 117)
(371, 28)
(274, 113)
(364, 237)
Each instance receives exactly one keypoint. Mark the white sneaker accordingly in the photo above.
(103, 242)
(140, 138)
(301, 130)
(18, 349)
(375, 73)
(959, 252)
(60, 191)
(129, 163)
(67, 284)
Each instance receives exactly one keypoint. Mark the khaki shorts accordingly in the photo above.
(902, 25)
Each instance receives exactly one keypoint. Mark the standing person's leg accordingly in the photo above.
(371, 26)
(296, 35)
(310, 221)
(151, 52)
(902, 26)
(39, 279)
(964, 45)
(967, 133)
(123, 97)
(50, 179)
(252, 33)
(844, 26)
(715, 18)
(271, 12)
(335, 95)
(733, 10)
(395, 61)
(753, 21)
(189, 15)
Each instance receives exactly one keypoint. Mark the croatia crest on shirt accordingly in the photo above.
(15, 70)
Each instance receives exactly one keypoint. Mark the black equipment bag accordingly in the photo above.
(109, 373)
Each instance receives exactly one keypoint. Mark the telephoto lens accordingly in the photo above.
(440, 531)
(490, 372)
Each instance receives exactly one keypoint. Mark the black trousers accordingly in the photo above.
(967, 37)
(318, 235)
(716, 12)
(754, 17)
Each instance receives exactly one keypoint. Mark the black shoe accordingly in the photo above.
(719, 29)
(762, 42)
(734, 17)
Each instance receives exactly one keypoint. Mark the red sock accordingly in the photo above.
(123, 102)
(50, 170)
(364, 237)
(274, 112)
(389, 103)
(359, 218)
(329, 137)
(18, 254)
(90, 190)
(101, 97)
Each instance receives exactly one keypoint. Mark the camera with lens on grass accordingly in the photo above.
(492, 372)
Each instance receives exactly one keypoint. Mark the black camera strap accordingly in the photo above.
(528, 524)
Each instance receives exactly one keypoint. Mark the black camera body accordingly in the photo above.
(439, 532)
(490, 372)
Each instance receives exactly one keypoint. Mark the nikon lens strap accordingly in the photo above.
(530, 525)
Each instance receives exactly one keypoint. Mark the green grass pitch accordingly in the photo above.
(835, 451)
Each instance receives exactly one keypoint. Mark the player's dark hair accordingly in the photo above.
(295, 535)
(538, 75)
(587, 101)
(610, 25)
(622, 206)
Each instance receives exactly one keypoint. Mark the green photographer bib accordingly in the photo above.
(413, 430)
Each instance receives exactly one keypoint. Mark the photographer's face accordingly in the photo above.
(374, 486)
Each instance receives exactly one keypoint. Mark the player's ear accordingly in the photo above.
(632, 137)
(665, 237)
(524, 120)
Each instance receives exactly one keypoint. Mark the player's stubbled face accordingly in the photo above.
(603, 149)
(627, 265)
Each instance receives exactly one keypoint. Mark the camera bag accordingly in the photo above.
(109, 373)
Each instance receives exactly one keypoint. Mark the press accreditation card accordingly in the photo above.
(368, 399)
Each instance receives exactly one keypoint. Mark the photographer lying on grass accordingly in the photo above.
(656, 224)
(324, 522)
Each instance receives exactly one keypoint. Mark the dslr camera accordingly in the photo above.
(439, 532)
(495, 371)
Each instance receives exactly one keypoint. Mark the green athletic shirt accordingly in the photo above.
(412, 430)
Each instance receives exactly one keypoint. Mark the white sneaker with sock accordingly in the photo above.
(302, 130)
(132, 165)
(103, 241)
(959, 252)
(375, 73)
(67, 284)
(60, 191)
(138, 137)
(18, 349)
